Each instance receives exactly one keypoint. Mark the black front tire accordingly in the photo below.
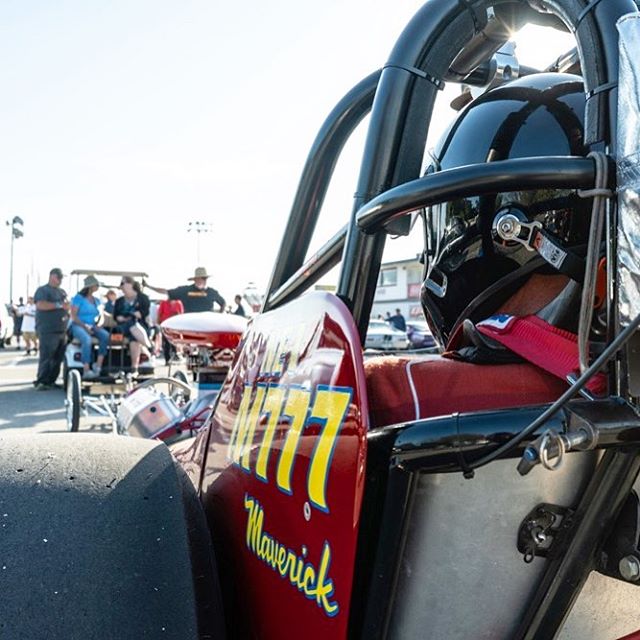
(74, 399)
(110, 542)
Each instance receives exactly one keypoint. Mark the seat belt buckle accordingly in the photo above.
(511, 228)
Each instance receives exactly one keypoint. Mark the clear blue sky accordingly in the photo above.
(122, 121)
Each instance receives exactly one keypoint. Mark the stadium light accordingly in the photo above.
(16, 224)
(198, 227)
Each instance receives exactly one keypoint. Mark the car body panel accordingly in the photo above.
(205, 329)
(420, 335)
(284, 470)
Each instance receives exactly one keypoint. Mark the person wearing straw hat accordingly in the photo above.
(86, 314)
(194, 297)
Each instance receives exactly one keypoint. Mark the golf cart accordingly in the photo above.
(99, 396)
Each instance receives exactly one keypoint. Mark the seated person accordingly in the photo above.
(86, 313)
(130, 313)
(502, 301)
(109, 306)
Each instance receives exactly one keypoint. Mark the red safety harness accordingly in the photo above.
(542, 344)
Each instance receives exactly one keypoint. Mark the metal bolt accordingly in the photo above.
(508, 227)
(540, 537)
(629, 568)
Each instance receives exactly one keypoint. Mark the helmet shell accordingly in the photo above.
(538, 115)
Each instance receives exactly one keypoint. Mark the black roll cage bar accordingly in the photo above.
(372, 217)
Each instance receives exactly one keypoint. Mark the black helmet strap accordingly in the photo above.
(511, 228)
(559, 258)
(486, 302)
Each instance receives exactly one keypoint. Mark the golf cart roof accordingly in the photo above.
(104, 272)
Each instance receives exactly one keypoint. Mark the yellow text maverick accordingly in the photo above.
(314, 583)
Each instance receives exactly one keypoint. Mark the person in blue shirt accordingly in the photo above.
(86, 312)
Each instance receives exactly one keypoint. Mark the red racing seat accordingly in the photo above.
(404, 388)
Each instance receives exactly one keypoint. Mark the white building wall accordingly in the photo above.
(404, 294)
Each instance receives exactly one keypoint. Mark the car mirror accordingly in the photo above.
(401, 226)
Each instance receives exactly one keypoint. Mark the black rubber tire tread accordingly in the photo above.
(102, 537)
(74, 396)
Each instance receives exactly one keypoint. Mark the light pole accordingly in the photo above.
(16, 232)
(198, 227)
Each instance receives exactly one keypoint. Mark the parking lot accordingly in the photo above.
(21, 406)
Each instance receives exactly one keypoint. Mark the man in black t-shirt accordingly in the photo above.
(194, 297)
(52, 318)
(239, 310)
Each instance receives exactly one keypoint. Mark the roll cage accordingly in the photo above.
(445, 41)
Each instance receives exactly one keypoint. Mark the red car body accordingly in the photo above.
(311, 510)
(284, 460)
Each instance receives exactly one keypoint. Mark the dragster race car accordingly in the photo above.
(489, 491)
(208, 340)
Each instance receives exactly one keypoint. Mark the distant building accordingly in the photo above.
(398, 287)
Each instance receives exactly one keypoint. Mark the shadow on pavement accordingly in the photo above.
(26, 362)
(13, 384)
(23, 406)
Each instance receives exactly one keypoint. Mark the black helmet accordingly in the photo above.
(538, 115)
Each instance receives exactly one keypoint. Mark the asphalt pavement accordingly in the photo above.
(21, 406)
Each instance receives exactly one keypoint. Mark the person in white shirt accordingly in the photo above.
(28, 313)
(154, 326)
